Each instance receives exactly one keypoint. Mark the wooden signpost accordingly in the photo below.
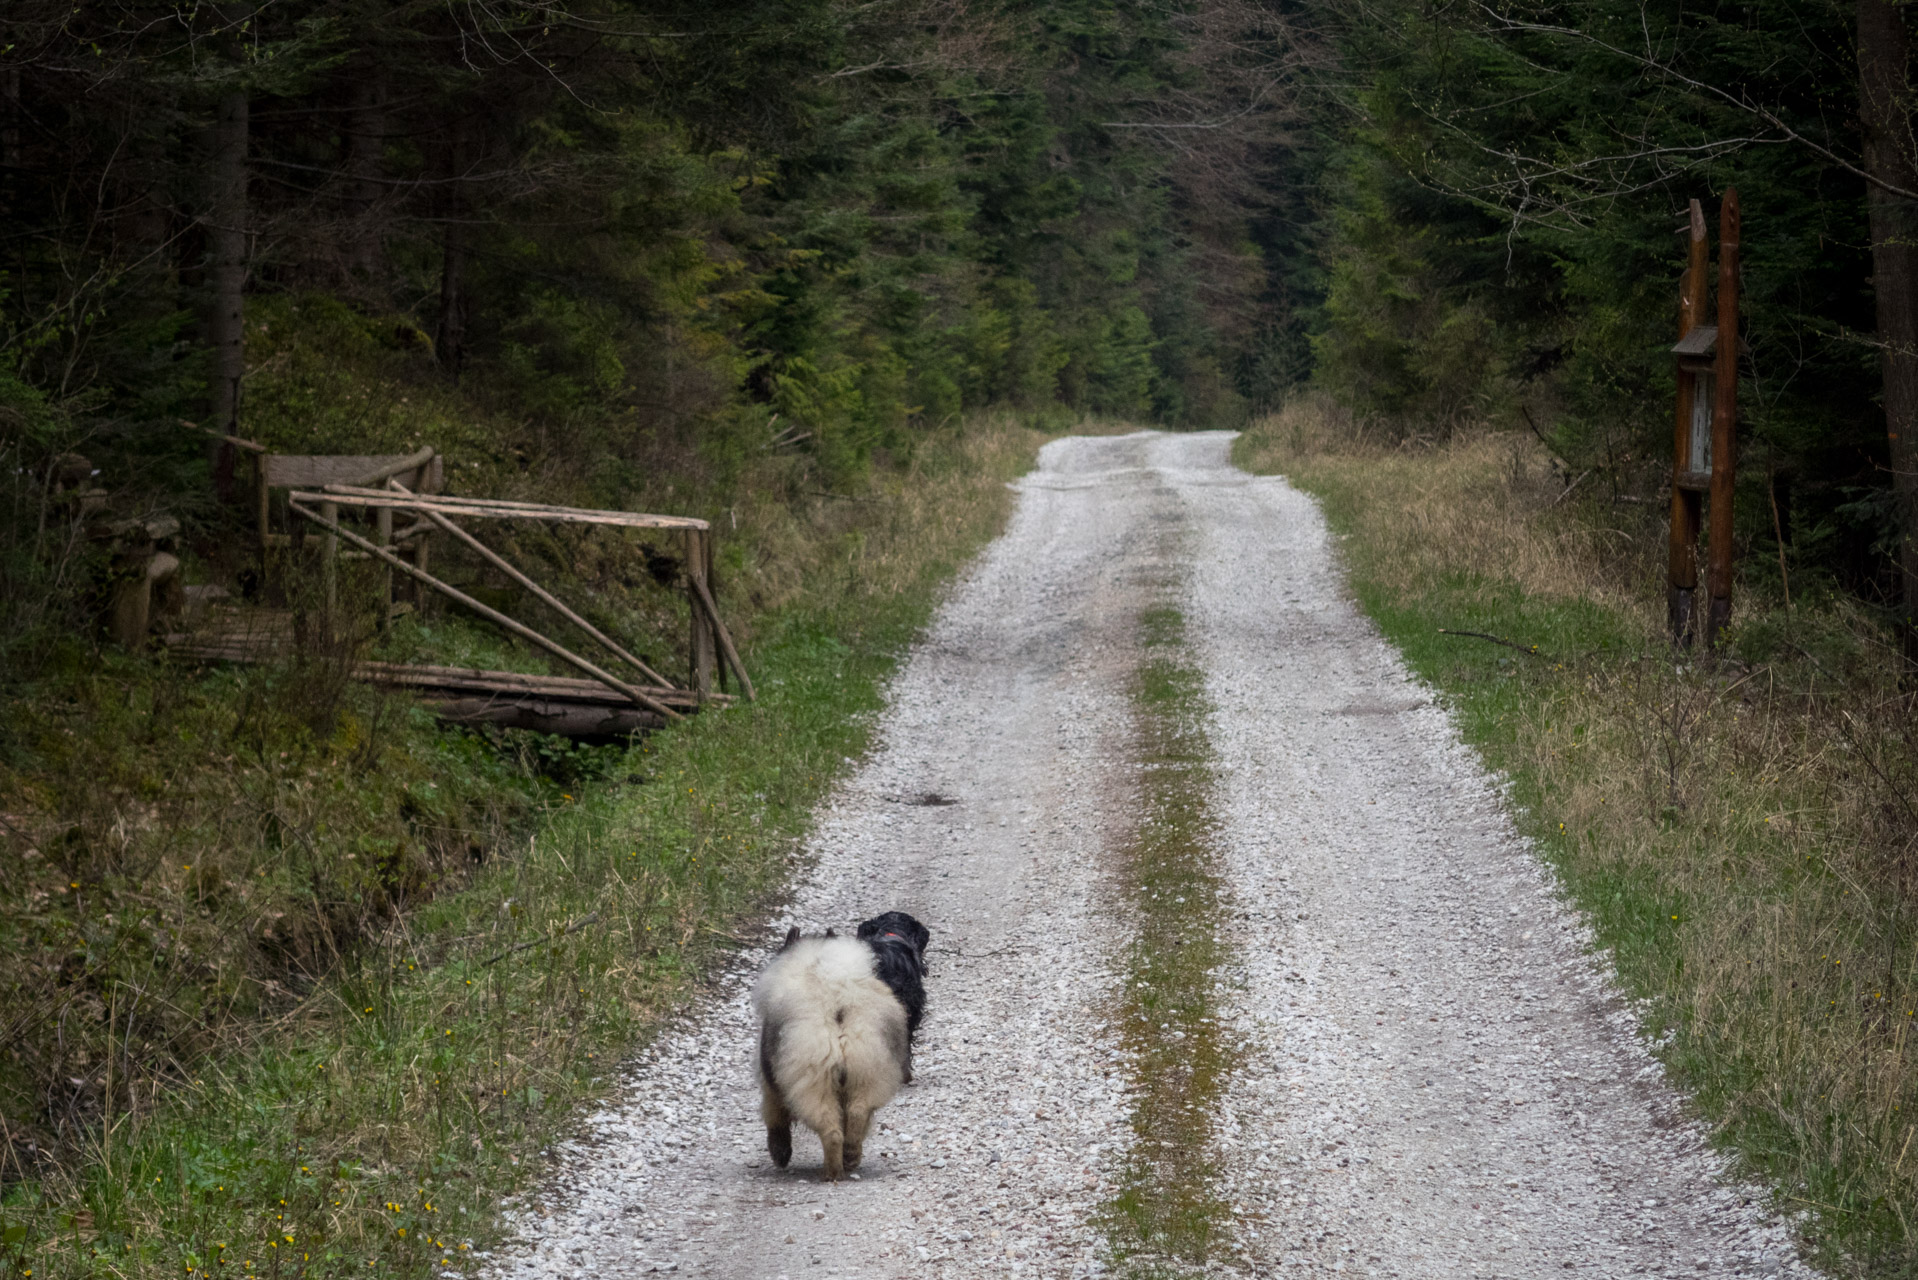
(1705, 441)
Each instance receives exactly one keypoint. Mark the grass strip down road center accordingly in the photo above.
(1166, 1212)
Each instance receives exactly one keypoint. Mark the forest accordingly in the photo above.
(624, 226)
(822, 273)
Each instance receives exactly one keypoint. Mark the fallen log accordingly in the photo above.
(431, 681)
(569, 719)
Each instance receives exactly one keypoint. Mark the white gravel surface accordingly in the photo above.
(1435, 1076)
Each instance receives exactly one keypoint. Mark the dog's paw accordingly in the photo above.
(779, 1145)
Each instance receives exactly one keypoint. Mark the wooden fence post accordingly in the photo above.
(383, 536)
(330, 563)
(262, 514)
(701, 642)
(1680, 596)
(710, 541)
(1724, 423)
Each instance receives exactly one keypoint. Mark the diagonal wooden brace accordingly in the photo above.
(492, 615)
(546, 597)
(725, 639)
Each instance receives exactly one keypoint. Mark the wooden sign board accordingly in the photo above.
(1704, 428)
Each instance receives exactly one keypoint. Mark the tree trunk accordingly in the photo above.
(1884, 100)
(10, 165)
(451, 339)
(1687, 506)
(226, 243)
(1719, 571)
(365, 158)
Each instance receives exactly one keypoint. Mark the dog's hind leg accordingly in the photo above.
(833, 1142)
(772, 1104)
(901, 1046)
(833, 1138)
(779, 1127)
(858, 1120)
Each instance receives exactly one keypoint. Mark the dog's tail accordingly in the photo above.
(845, 1057)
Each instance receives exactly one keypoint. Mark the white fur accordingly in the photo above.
(839, 1045)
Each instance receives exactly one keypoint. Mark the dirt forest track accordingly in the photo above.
(1429, 1073)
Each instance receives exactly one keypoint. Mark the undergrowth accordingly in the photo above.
(1739, 829)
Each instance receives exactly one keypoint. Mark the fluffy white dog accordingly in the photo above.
(834, 1046)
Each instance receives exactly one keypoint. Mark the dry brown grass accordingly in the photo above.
(1740, 831)
(795, 540)
(1484, 503)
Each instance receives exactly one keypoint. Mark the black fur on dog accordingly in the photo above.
(898, 944)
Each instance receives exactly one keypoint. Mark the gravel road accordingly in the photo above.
(1434, 1076)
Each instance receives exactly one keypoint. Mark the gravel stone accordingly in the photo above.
(1436, 1074)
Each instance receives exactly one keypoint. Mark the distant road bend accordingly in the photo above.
(1430, 1076)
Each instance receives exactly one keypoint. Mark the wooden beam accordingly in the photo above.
(395, 467)
(251, 446)
(488, 508)
(492, 615)
(477, 680)
(330, 560)
(262, 515)
(725, 640)
(1718, 576)
(428, 681)
(700, 643)
(316, 470)
(1682, 553)
(383, 535)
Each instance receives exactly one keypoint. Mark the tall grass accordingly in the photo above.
(368, 1117)
(1739, 830)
